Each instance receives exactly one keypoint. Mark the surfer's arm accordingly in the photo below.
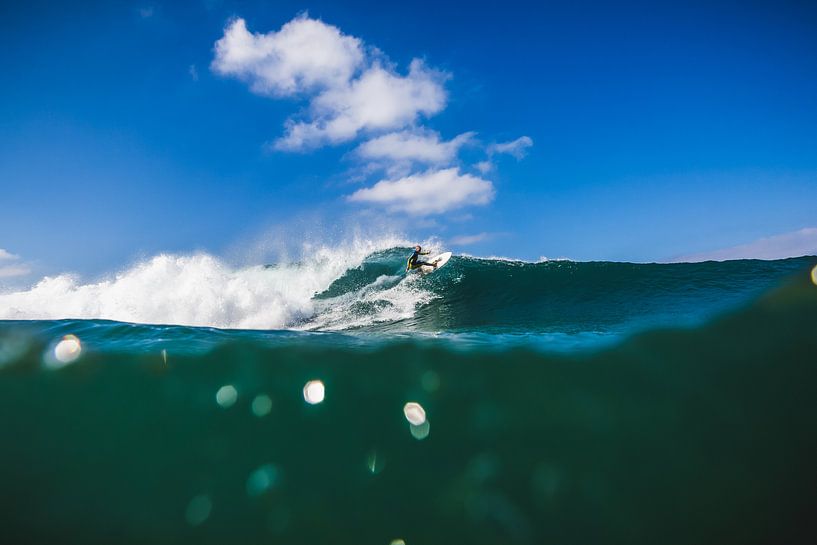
(425, 253)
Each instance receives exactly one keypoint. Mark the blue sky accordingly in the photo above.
(657, 131)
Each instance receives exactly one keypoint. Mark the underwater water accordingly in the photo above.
(336, 400)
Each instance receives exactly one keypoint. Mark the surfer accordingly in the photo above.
(414, 263)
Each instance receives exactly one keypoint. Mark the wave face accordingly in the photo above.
(362, 288)
(504, 296)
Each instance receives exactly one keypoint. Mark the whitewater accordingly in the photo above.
(203, 290)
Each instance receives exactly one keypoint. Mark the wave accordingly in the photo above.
(361, 286)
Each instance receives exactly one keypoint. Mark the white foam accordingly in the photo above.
(387, 299)
(196, 290)
(495, 258)
(542, 259)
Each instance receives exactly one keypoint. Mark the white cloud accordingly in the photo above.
(12, 266)
(6, 255)
(349, 90)
(306, 54)
(794, 244)
(517, 148)
(418, 145)
(466, 240)
(431, 192)
(193, 71)
(378, 100)
(9, 271)
(484, 166)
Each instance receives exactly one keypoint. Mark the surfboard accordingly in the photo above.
(440, 260)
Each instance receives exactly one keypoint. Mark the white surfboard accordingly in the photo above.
(440, 260)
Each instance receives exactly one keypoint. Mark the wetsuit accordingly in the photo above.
(413, 263)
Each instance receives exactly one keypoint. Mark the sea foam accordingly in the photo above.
(203, 290)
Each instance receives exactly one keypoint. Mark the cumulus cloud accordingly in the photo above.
(349, 90)
(431, 192)
(306, 54)
(378, 100)
(10, 265)
(422, 146)
(517, 148)
(793, 244)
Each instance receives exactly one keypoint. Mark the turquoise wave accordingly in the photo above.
(553, 297)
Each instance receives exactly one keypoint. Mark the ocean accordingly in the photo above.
(334, 399)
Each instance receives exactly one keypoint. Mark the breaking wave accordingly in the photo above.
(362, 286)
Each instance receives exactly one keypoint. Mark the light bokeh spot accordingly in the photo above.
(226, 396)
(421, 432)
(198, 510)
(414, 413)
(262, 479)
(261, 405)
(314, 392)
(68, 349)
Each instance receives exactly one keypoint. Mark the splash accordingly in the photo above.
(198, 290)
(389, 299)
